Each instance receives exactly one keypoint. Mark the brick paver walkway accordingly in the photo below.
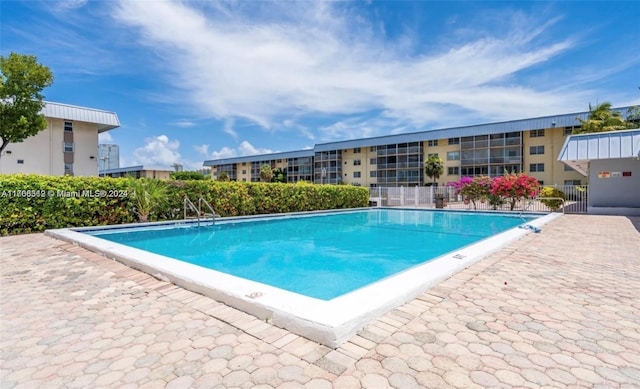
(555, 309)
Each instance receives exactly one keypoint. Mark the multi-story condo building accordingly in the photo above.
(108, 157)
(520, 146)
(69, 144)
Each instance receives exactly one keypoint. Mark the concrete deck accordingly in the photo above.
(556, 309)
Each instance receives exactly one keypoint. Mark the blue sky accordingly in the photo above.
(198, 80)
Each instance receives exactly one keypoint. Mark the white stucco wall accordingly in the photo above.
(85, 137)
(43, 153)
(615, 193)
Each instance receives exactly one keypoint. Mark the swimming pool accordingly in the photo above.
(323, 275)
(321, 256)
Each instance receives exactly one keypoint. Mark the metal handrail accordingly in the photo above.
(538, 198)
(190, 205)
(553, 198)
(213, 213)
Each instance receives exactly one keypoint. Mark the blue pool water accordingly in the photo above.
(323, 255)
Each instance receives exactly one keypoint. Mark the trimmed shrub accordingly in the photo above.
(34, 203)
(553, 204)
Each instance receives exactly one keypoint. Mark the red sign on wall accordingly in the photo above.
(626, 174)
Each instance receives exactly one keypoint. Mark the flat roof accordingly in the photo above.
(579, 149)
(104, 119)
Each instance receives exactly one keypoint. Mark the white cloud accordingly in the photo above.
(158, 151)
(247, 148)
(105, 137)
(184, 123)
(202, 149)
(225, 152)
(272, 61)
(228, 128)
(244, 149)
(70, 4)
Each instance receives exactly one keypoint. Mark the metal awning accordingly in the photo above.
(578, 150)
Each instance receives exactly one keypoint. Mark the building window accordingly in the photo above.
(432, 143)
(572, 182)
(356, 150)
(68, 126)
(20, 161)
(453, 156)
(536, 167)
(68, 147)
(373, 174)
(244, 172)
(372, 161)
(356, 174)
(536, 150)
(568, 168)
(568, 130)
(435, 155)
(454, 141)
(453, 171)
(244, 164)
(372, 148)
(356, 162)
(536, 133)
(68, 169)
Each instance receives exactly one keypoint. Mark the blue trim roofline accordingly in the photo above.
(542, 122)
(261, 157)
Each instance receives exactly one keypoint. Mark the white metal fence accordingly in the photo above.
(426, 196)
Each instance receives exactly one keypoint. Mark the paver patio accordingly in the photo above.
(556, 309)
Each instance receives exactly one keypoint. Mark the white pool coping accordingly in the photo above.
(330, 322)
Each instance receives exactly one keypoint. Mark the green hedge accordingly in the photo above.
(33, 203)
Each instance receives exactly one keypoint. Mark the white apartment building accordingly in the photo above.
(69, 144)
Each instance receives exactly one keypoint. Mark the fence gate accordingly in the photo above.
(577, 196)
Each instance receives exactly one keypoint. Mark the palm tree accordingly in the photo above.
(602, 119)
(149, 195)
(434, 167)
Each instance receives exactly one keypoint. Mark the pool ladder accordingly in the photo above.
(189, 205)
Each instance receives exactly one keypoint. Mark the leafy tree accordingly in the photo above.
(266, 174)
(149, 195)
(279, 175)
(22, 80)
(224, 177)
(602, 119)
(434, 167)
(188, 175)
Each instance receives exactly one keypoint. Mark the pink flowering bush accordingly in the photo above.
(473, 188)
(508, 188)
(513, 187)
